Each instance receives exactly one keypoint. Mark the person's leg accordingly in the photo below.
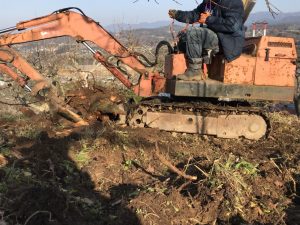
(195, 37)
(194, 43)
(210, 45)
(211, 41)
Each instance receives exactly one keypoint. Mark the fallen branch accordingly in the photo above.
(37, 212)
(170, 166)
(202, 171)
(183, 186)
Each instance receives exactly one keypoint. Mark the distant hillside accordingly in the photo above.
(151, 37)
(282, 18)
(144, 36)
(152, 25)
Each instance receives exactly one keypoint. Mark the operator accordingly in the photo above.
(221, 25)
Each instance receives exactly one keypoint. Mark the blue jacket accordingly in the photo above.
(226, 21)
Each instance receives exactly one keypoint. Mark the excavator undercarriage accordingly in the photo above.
(221, 105)
(202, 117)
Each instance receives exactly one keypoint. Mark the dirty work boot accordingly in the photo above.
(194, 71)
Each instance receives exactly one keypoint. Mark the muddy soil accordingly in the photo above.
(108, 174)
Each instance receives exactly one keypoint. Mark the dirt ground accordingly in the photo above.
(108, 174)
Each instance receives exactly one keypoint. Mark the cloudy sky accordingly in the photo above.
(112, 11)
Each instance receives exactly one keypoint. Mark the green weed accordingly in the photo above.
(82, 157)
(232, 175)
(247, 168)
(5, 151)
(3, 187)
(127, 165)
(27, 131)
(11, 117)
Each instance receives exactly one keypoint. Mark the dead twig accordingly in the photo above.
(35, 213)
(153, 211)
(281, 218)
(202, 171)
(183, 186)
(177, 2)
(272, 9)
(170, 166)
(276, 166)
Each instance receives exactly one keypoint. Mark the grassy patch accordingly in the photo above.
(5, 151)
(82, 157)
(283, 118)
(129, 94)
(233, 175)
(11, 117)
(27, 131)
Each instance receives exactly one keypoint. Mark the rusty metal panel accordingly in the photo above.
(269, 61)
(275, 66)
(175, 64)
(215, 89)
(240, 71)
(275, 72)
(280, 47)
(216, 68)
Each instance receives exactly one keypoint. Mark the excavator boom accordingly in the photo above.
(83, 29)
(72, 24)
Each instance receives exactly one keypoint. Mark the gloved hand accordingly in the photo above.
(172, 13)
(203, 17)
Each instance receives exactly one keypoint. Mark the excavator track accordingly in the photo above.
(206, 118)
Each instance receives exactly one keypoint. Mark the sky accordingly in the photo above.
(112, 11)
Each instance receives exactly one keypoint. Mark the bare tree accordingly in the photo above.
(272, 8)
(158, 2)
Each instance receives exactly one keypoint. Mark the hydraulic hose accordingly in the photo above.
(68, 9)
(158, 47)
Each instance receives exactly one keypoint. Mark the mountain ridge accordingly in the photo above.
(280, 19)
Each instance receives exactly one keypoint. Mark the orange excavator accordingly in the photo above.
(224, 105)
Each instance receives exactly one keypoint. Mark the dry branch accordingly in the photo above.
(37, 212)
(156, 1)
(272, 9)
(172, 167)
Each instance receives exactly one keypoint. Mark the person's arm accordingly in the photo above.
(190, 16)
(230, 22)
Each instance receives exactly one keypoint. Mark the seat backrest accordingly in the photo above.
(248, 6)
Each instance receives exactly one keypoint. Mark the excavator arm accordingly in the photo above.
(83, 29)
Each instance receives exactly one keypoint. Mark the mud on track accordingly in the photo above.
(106, 174)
